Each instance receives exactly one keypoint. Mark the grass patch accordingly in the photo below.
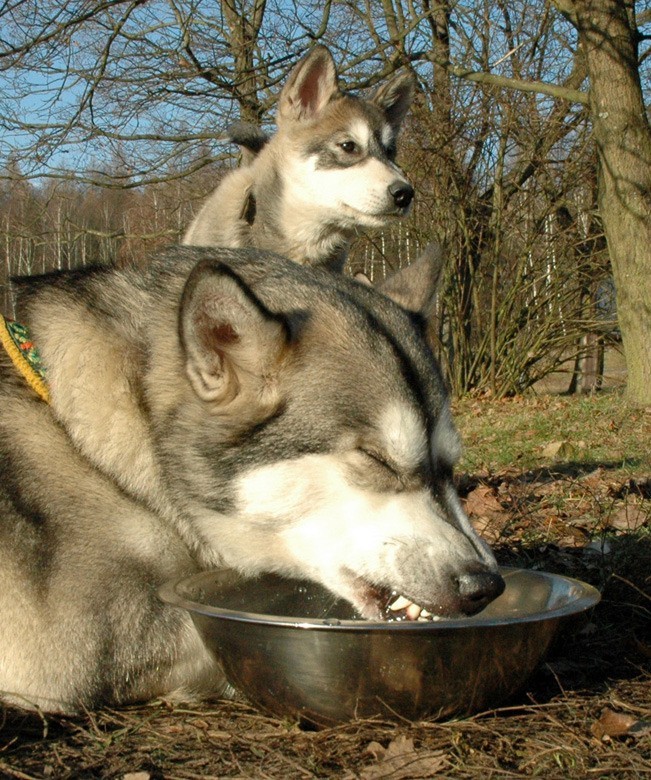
(600, 429)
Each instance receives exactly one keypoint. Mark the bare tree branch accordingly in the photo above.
(521, 85)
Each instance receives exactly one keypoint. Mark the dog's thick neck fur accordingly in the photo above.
(92, 379)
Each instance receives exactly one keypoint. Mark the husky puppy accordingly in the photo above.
(221, 408)
(328, 171)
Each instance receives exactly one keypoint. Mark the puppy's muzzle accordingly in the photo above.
(402, 193)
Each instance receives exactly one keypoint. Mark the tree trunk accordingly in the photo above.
(244, 23)
(608, 37)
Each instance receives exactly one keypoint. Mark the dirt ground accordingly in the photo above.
(556, 484)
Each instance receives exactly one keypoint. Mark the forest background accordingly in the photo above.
(529, 147)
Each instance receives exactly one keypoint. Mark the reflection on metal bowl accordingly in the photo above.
(296, 651)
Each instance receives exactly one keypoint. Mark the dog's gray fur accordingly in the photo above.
(328, 171)
(223, 407)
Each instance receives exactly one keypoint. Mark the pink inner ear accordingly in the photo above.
(215, 336)
(309, 91)
(222, 335)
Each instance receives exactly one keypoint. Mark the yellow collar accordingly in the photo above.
(15, 339)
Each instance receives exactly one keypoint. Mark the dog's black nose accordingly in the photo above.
(477, 587)
(402, 194)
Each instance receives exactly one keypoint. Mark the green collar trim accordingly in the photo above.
(15, 338)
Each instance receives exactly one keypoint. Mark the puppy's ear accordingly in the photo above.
(394, 97)
(232, 343)
(415, 287)
(310, 86)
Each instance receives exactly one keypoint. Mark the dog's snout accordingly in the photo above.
(477, 587)
(402, 193)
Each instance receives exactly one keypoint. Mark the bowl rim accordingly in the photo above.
(587, 597)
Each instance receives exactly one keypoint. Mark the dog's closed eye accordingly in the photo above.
(388, 470)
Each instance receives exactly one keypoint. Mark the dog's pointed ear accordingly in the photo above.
(415, 287)
(232, 343)
(394, 97)
(310, 86)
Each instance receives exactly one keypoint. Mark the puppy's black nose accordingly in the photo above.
(402, 194)
(477, 587)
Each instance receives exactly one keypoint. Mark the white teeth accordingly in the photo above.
(400, 603)
(412, 611)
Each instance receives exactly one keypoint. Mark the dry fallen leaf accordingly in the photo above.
(630, 517)
(401, 761)
(618, 724)
(482, 502)
(558, 450)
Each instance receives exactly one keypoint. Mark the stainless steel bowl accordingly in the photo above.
(296, 651)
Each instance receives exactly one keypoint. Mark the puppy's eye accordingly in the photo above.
(350, 147)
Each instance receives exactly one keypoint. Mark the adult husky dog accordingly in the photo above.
(221, 408)
(327, 172)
